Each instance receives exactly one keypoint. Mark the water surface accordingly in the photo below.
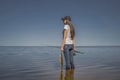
(42, 63)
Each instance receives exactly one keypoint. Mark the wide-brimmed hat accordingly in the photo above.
(66, 18)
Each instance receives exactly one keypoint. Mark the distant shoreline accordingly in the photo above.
(59, 46)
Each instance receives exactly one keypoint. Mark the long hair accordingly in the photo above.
(72, 30)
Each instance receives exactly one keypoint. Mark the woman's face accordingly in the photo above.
(65, 21)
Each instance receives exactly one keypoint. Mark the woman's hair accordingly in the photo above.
(72, 30)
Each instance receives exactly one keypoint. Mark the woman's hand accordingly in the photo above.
(61, 49)
(74, 49)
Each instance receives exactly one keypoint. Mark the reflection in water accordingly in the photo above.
(69, 75)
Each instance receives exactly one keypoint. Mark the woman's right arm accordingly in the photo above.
(74, 44)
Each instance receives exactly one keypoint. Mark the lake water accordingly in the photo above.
(42, 63)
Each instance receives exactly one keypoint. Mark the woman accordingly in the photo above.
(68, 42)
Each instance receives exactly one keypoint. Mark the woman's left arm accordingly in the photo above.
(64, 39)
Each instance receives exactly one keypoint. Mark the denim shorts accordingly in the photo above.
(68, 54)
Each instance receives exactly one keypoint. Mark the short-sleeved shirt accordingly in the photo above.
(68, 39)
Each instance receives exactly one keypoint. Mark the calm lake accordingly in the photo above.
(42, 63)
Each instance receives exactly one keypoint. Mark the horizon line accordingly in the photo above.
(59, 46)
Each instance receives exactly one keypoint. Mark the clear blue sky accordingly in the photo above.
(38, 22)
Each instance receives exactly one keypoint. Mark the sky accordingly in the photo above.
(38, 22)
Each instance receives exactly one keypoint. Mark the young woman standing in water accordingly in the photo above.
(68, 42)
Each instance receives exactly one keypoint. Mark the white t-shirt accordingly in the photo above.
(68, 39)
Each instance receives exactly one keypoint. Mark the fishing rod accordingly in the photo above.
(75, 51)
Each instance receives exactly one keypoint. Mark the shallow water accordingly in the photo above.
(42, 63)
